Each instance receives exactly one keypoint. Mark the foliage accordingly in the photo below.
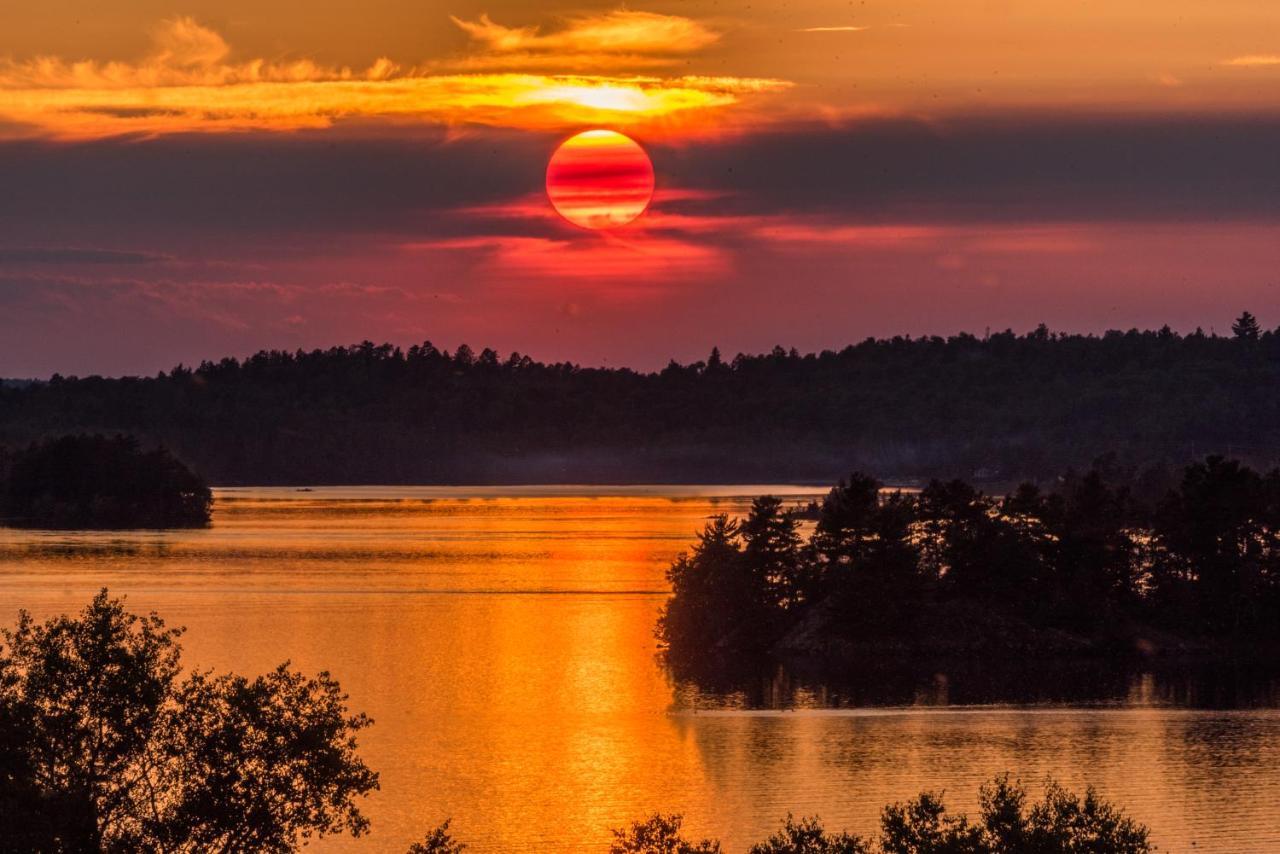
(1004, 404)
(1087, 558)
(808, 836)
(659, 834)
(100, 482)
(1060, 823)
(103, 748)
(438, 841)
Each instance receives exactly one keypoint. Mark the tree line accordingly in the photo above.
(1106, 556)
(1059, 823)
(1002, 405)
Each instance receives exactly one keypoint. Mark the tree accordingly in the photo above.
(717, 599)
(1246, 328)
(976, 553)
(117, 754)
(808, 836)
(845, 519)
(438, 841)
(1094, 558)
(1217, 556)
(772, 552)
(1061, 823)
(659, 834)
(922, 826)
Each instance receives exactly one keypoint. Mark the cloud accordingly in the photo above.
(181, 42)
(849, 29)
(621, 38)
(991, 168)
(61, 256)
(186, 83)
(1254, 61)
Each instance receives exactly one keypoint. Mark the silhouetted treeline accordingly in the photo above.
(1003, 406)
(1060, 823)
(97, 481)
(1103, 561)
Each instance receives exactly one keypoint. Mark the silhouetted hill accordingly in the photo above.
(1002, 407)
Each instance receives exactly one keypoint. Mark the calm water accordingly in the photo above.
(502, 640)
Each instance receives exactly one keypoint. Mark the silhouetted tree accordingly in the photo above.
(1246, 328)
(438, 841)
(717, 596)
(1217, 560)
(808, 836)
(1061, 823)
(772, 552)
(846, 520)
(978, 553)
(867, 560)
(108, 751)
(1093, 554)
(660, 834)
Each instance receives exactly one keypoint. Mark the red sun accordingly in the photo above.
(600, 179)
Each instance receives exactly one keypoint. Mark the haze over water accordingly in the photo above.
(502, 641)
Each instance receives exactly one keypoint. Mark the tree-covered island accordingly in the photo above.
(83, 481)
(1091, 566)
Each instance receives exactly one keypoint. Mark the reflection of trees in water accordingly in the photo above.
(765, 683)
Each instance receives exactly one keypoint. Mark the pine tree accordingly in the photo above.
(1246, 327)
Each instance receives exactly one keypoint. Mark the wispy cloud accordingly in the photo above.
(1256, 60)
(63, 255)
(847, 29)
(619, 39)
(187, 83)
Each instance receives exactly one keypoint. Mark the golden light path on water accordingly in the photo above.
(503, 644)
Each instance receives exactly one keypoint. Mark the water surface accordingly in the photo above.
(502, 640)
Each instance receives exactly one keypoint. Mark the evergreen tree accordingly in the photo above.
(1246, 328)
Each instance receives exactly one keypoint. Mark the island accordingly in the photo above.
(1104, 562)
(103, 482)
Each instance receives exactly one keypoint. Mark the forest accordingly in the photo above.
(995, 408)
(1107, 562)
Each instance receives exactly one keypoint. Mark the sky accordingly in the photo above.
(187, 182)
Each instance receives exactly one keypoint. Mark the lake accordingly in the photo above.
(502, 639)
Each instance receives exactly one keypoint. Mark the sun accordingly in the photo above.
(600, 179)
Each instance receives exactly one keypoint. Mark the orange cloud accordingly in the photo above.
(1254, 61)
(832, 29)
(618, 39)
(187, 84)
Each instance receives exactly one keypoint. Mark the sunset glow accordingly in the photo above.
(662, 418)
(218, 177)
(600, 179)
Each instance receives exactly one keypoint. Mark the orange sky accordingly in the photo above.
(281, 174)
(78, 69)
